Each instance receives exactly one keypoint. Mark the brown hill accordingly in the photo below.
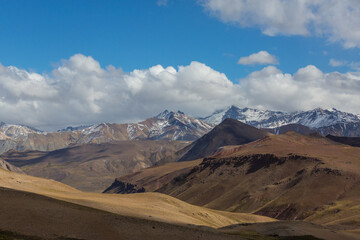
(92, 167)
(18, 208)
(229, 132)
(288, 176)
(352, 141)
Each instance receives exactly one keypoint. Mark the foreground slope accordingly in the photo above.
(27, 214)
(151, 206)
(29, 203)
(92, 167)
(229, 132)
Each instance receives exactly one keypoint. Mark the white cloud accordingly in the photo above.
(80, 91)
(261, 58)
(308, 88)
(336, 63)
(338, 20)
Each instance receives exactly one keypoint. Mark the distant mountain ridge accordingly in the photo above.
(325, 121)
(168, 125)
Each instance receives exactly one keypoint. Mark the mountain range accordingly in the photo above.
(170, 125)
(324, 121)
(167, 125)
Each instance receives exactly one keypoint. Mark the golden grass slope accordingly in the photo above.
(152, 206)
(31, 216)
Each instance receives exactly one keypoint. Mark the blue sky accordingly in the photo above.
(175, 54)
(139, 34)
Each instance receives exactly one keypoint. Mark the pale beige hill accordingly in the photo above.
(93, 167)
(37, 217)
(151, 206)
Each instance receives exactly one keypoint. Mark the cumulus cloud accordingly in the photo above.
(81, 91)
(338, 20)
(261, 58)
(308, 88)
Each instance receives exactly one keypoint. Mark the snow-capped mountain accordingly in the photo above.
(12, 131)
(171, 126)
(167, 125)
(331, 121)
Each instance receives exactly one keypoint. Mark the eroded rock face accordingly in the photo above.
(123, 188)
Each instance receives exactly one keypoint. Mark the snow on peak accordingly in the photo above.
(15, 131)
(315, 118)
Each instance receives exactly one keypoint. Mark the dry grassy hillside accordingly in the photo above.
(153, 206)
(288, 176)
(28, 204)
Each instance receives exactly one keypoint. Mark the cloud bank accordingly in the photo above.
(80, 91)
(260, 58)
(337, 20)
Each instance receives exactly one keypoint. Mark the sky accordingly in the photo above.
(81, 62)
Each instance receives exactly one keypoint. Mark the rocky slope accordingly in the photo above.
(325, 121)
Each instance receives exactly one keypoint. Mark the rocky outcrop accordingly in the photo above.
(123, 188)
